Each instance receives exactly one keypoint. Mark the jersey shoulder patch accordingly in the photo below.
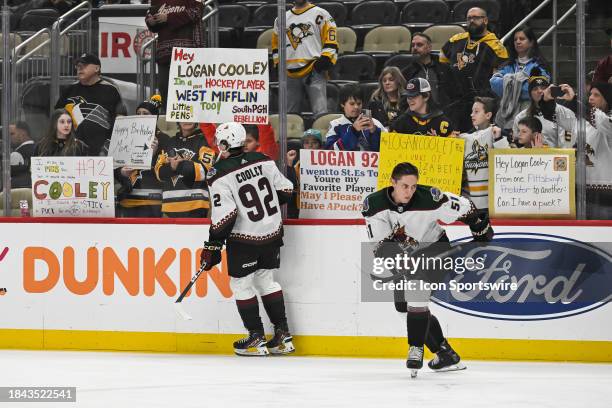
(426, 198)
(375, 203)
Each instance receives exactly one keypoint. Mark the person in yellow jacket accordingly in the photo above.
(312, 50)
(472, 56)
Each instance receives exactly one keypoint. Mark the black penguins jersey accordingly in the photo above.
(432, 125)
(246, 191)
(418, 219)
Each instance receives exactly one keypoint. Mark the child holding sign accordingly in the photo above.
(141, 192)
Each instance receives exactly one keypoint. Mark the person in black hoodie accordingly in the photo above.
(423, 117)
(428, 66)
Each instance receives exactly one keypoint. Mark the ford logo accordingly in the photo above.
(556, 277)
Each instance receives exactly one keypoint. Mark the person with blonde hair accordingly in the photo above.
(389, 100)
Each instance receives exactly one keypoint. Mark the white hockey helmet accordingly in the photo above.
(230, 135)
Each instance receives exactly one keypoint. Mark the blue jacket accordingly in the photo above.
(497, 80)
(342, 136)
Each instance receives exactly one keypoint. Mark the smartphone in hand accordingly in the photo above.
(556, 91)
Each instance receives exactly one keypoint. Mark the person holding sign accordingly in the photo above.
(61, 139)
(178, 23)
(424, 116)
(181, 167)
(247, 190)
(407, 213)
(484, 136)
(356, 130)
(598, 147)
(141, 193)
(312, 50)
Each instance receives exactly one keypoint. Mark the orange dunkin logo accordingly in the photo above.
(140, 271)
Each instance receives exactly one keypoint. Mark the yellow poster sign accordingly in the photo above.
(439, 159)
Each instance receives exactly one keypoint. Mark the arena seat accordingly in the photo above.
(441, 33)
(367, 89)
(233, 16)
(492, 8)
(423, 13)
(374, 13)
(338, 11)
(34, 20)
(401, 61)
(387, 39)
(265, 39)
(295, 125)
(169, 128)
(347, 40)
(322, 123)
(14, 41)
(264, 16)
(354, 67)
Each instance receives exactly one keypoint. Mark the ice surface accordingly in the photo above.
(107, 379)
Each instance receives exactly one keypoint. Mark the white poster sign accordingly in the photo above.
(131, 140)
(532, 183)
(73, 187)
(216, 85)
(333, 184)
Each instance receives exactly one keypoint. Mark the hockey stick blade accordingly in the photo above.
(178, 308)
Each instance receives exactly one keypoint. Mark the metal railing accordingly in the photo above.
(146, 71)
(76, 37)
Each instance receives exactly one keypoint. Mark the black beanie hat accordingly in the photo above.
(606, 91)
(152, 105)
(536, 78)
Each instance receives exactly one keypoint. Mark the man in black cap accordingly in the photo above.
(92, 102)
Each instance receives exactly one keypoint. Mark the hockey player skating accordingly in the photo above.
(408, 213)
(246, 191)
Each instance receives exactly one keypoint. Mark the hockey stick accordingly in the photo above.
(177, 305)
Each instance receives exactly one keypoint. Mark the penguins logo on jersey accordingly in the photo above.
(298, 32)
(185, 153)
(478, 158)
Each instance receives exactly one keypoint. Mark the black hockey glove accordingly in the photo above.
(323, 64)
(211, 254)
(482, 230)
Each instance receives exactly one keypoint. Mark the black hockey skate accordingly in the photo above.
(281, 343)
(254, 345)
(446, 359)
(415, 360)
